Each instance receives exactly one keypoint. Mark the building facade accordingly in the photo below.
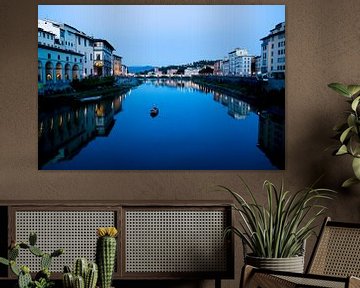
(226, 67)
(243, 65)
(56, 65)
(117, 65)
(218, 67)
(256, 65)
(273, 52)
(103, 58)
(233, 55)
(69, 38)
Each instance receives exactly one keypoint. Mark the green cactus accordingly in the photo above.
(14, 268)
(13, 253)
(79, 282)
(45, 261)
(80, 267)
(32, 238)
(105, 258)
(4, 261)
(87, 272)
(57, 252)
(36, 251)
(42, 278)
(91, 276)
(67, 269)
(68, 280)
(24, 280)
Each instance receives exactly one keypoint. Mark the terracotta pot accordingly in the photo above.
(291, 264)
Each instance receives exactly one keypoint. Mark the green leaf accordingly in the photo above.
(351, 120)
(355, 103)
(349, 182)
(354, 145)
(4, 261)
(345, 134)
(353, 89)
(340, 88)
(356, 167)
(342, 150)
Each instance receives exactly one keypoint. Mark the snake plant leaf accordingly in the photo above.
(349, 182)
(345, 134)
(340, 88)
(356, 167)
(342, 150)
(353, 89)
(355, 103)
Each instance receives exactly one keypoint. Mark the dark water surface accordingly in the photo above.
(196, 128)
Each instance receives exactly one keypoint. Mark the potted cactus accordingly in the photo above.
(106, 254)
(84, 275)
(42, 278)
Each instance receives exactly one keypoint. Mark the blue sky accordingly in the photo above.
(161, 35)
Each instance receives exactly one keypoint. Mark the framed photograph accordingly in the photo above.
(161, 87)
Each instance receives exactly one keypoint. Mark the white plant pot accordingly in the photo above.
(291, 264)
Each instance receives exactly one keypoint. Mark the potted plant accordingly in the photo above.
(276, 233)
(348, 133)
(42, 278)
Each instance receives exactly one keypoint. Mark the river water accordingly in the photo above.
(196, 129)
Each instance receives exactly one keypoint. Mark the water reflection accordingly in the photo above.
(66, 130)
(271, 137)
(63, 132)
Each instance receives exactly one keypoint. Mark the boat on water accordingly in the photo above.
(154, 112)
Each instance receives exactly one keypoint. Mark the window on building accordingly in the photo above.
(98, 57)
(272, 60)
(91, 72)
(79, 40)
(58, 57)
(49, 56)
(72, 44)
(75, 60)
(85, 44)
(47, 36)
(67, 58)
(80, 60)
(43, 34)
(90, 56)
(85, 70)
(65, 42)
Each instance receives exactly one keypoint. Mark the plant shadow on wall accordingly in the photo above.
(348, 133)
(276, 233)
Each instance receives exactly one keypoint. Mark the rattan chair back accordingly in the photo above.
(337, 252)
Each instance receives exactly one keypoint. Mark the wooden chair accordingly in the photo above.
(334, 263)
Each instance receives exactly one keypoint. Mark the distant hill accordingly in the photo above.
(138, 69)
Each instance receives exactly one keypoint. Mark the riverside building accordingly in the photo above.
(69, 38)
(103, 59)
(273, 52)
(56, 66)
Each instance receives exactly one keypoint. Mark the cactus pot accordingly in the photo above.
(291, 264)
